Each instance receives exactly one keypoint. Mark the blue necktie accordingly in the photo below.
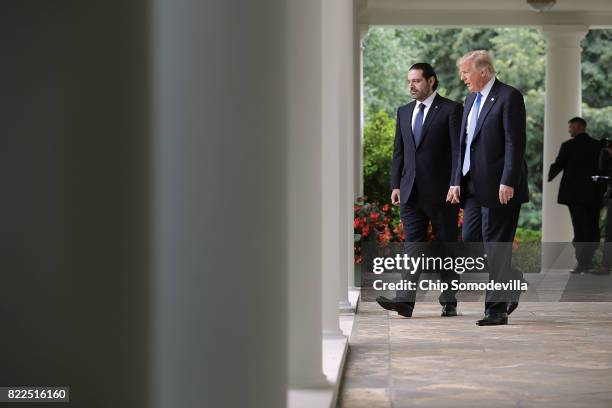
(418, 124)
(471, 130)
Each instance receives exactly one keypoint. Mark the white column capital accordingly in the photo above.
(564, 36)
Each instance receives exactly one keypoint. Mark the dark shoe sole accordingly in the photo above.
(385, 304)
(404, 313)
(485, 322)
(401, 309)
(512, 307)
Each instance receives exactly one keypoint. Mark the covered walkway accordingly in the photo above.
(552, 354)
(178, 189)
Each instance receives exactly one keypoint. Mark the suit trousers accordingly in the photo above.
(585, 220)
(495, 227)
(415, 219)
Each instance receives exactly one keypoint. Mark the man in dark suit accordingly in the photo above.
(425, 153)
(491, 177)
(578, 159)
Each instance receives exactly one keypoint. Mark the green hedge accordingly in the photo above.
(528, 256)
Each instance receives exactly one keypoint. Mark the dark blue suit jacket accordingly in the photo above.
(429, 165)
(498, 150)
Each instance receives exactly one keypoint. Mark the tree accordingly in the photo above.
(379, 133)
(596, 63)
(385, 66)
(599, 121)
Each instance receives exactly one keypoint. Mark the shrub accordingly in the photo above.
(375, 222)
(528, 235)
(378, 135)
(528, 254)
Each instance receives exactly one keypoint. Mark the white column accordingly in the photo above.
(220, 218)
(361, 32)
(351, 108)
(347, 103)
(304, 61)
(563, 101)
(334, 169)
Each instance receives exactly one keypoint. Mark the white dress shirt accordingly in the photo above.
(427, 103)
(485, 92)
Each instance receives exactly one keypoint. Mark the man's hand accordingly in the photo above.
(505, 193)
(454, 192)
(395, 196)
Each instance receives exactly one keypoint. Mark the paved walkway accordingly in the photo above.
(552, 354)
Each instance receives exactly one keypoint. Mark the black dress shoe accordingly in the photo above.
(493, 319)
(402, 308)
(449, 311)
(512, 307)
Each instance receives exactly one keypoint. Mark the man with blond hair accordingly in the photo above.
(490, 180)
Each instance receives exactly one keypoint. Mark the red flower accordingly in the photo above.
(374, 216)
(385, 207)
(515, 245)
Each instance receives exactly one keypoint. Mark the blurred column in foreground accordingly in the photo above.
(304, 58)
(219, 190)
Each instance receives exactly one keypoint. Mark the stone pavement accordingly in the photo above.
(552, 354)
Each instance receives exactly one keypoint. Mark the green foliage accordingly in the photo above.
(596, 63)
(524, 235)
(385, 71)
(599, 121)
(520, 58)
(378, 133)
(528, 256)
(530, 212)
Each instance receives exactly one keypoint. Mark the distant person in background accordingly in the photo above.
(578, 159)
